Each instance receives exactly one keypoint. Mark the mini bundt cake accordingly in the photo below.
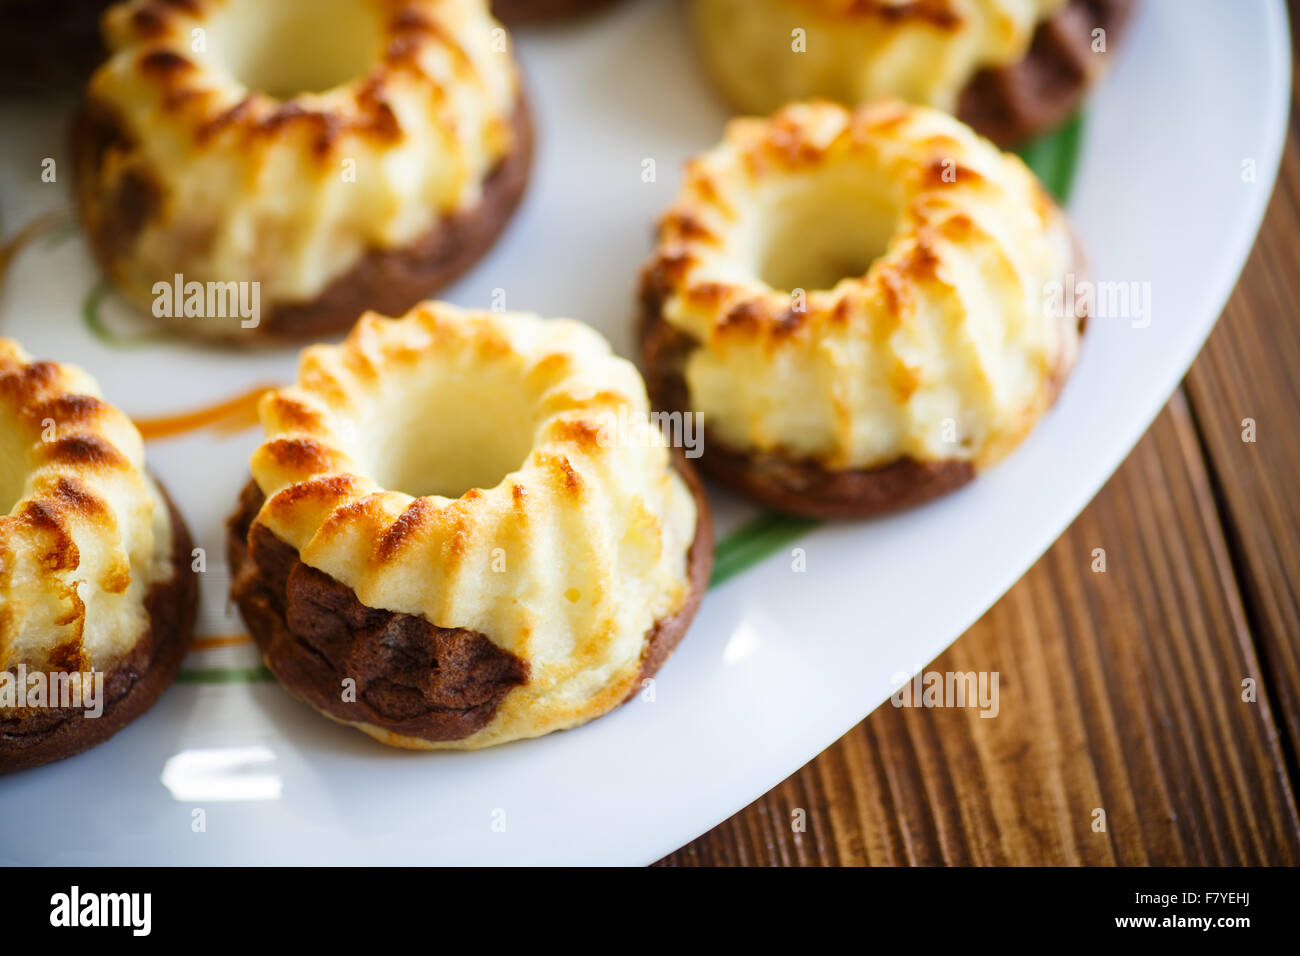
(314, 158)
(534, 11)
(1009, 68)
(458, 532)
(97, 596)
(859, 305)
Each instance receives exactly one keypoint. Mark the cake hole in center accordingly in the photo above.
(456, 435)
(284, 49)
(823, 231)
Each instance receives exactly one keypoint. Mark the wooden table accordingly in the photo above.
(1122, 690)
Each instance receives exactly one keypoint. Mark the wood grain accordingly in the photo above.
(1119, 690)
(1250, 369)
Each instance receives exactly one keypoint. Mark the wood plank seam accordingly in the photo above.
(1248, 588)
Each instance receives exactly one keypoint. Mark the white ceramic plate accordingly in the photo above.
(778, 664)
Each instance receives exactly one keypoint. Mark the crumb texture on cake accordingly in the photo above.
(84, 532)
(861, 287)
(484, 472)
(240, 141)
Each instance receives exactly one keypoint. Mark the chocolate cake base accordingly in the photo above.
(1014, 103)
(534, 11)
(131, 686)
(806, 489)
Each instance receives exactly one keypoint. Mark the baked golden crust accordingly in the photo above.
(936, 346)
(1010, 68)
(85, 532)
(94, 562)
(536, 517)
(208, 154)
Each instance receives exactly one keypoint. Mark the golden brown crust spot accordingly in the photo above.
(60, 553)
(324, 490)
(706, 187)
(162, 64)
(68, 409)
(74, 497)
(292, 413)
(579, 431)
(570, 481)
(83, 450)
(939, 14)
(408, 524)
(944, 170)
(17, 382)
(301, 454)
(365, 512)
(67, 657)
(684, 225)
